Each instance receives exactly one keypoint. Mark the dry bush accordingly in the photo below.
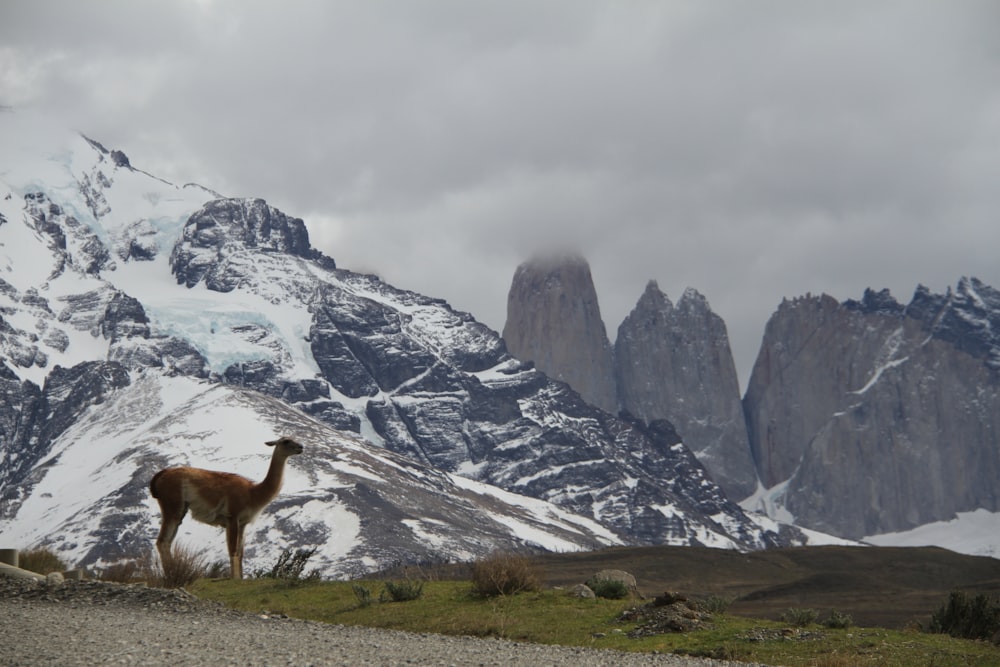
(290, 567)
(41, 561)
(504, 573)
(184, 568)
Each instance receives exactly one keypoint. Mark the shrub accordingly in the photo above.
(41, 561)
(966, 616)
(290, 566)
(503, 573)
(838, 620)
(799, 618)
(611, 589)
(715, 604)
(363, 594)
(402, 591)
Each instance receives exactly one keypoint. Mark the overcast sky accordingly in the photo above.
(751, 150)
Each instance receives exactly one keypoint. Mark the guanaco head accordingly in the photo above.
(286, 445)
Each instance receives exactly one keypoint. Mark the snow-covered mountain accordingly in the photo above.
(145, 324)
(361, 507)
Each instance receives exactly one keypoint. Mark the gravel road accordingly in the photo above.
(95, 623)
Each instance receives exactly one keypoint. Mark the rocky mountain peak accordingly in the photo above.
(218, 236)
(554, 320)
(675, 363)
(653, 299)
(876, 302)
(692, 299)
(967, 317)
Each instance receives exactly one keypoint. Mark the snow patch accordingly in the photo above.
(878, 373)
(769, 502)
(974, 533)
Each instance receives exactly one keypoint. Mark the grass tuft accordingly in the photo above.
(363, 594)
(184, 568)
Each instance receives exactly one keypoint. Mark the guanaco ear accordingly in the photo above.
(271, 443)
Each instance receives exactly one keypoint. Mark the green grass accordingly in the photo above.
(552, 617)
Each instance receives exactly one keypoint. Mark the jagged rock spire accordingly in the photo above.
(674, 362)
(554, 320)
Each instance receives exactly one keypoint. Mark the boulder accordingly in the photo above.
(582, 591)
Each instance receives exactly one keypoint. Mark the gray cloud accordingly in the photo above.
(750, 150)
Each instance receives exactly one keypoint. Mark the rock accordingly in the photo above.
(554, 320)
(582, 591)
(124, 317)
(654, 619)
(668, 598)
(675, 363)
(54, 578)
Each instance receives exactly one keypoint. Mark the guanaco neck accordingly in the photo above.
(264, 491)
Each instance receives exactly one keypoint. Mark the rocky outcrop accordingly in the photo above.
(675, 363)
(35, 417)
(219, 243)
(880, 417)
(70, 240)
(553, 320)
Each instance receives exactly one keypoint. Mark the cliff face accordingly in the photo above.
(554, 320)
(880, 417)
(675, 363)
